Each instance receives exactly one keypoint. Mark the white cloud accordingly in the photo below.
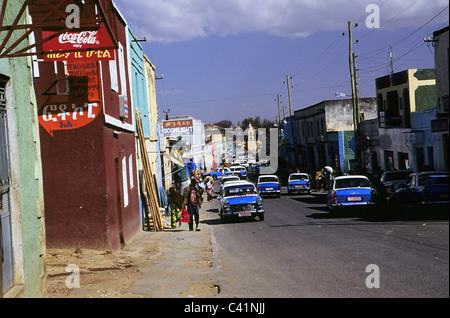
(181, 20)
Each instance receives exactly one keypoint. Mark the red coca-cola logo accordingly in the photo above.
(79, 38)
(95, 39)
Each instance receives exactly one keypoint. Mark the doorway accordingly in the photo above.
(7, 269)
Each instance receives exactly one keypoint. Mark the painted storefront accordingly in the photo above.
(88, 147)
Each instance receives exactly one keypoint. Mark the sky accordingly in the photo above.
(229, 59)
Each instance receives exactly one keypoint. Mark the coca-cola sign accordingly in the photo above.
(78, 39)
(75, 45)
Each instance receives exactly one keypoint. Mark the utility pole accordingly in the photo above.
(356, 116)
(391, 60)
(356, 108)
(289, 94)
(352, 77)
(278, 102)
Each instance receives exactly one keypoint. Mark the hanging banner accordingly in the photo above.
(86, 45)
(83, 103)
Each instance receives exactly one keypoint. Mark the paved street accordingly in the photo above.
(300, 251)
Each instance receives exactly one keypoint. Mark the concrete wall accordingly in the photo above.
(426, 143)
(27, 210)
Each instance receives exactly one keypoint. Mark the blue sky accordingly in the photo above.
(228, 59)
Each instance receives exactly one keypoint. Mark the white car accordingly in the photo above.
(226, 179)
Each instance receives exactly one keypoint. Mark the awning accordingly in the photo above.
(175, 157)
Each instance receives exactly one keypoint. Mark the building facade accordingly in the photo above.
(441, 123)
(22, 226)
(325, 134)
(399, 95)
(89, 168)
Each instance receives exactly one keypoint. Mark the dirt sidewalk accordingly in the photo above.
(168, 264)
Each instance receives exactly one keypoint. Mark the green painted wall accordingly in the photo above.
(26, 145)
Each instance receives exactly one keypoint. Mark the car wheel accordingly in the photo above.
(261, 217)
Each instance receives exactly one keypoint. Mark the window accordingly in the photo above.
(403, 161)
(123, 78)
(130, 168)
(113, 74)
(120, 58)
(5, 174)
(124, 182)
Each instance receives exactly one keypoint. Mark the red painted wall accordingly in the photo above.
(82, 169)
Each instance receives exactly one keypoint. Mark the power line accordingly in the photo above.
(249, 96)
(320, 56)
(404, 38)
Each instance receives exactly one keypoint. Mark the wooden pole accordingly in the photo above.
(152, 198)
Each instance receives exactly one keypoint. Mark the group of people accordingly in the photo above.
(191, 199)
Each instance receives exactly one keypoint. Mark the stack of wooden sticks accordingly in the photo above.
(155, 219)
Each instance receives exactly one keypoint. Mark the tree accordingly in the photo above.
(256, 123)
(224, 123)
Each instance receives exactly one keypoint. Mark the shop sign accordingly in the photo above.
(84, 45)
(68, 116)
(83, 103)
(176, 128)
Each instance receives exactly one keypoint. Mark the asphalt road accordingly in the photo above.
(300, 251)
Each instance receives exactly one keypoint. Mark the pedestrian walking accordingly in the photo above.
(209, 189)
(175, 200)
(193, 201)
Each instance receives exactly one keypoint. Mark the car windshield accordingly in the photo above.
(239, 190)
(268, 179)
(299, 177)
(430, 179)
(352, 183)
(226, 179)
(399, 175)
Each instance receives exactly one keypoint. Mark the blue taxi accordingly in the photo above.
(299, 182)
(350, 191)
(268, 185)
(240, 199)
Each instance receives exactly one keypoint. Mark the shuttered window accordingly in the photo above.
(5, 174)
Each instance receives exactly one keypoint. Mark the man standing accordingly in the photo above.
(193, 201)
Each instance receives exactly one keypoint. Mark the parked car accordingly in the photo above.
(299, 182)
(240, 199)
(241, 170)
(424, 189)
(269, 184)
(394, 178)
(350, 191)
(218, 173)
